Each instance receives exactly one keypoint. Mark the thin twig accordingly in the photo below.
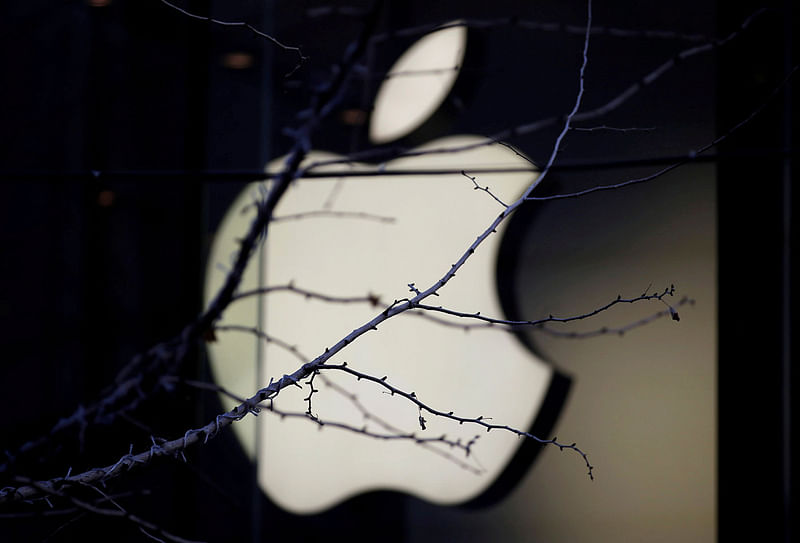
(334, 214)
(481, 421)
(263, 335)
(669, 291)
(613, 129)
(389, 436)
(484, 189)
(369, 416)
(370, 298)
(690, 157)
(391, 152)
(323, 102)
(620, 330)
(530, 24)
(119, 512)
(302, 58)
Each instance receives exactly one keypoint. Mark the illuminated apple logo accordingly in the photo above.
(374, 235)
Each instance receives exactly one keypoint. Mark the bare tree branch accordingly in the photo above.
(620, 330)
(527, 24)
(322, 106)
(120, 512)
(170, 354)
(372, 299)
(691, 156)
(128, 389)
(262, 335)
(669, 291)
(484, 189)
(479, 420)
(392, 152)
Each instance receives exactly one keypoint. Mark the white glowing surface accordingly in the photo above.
(484, 372)
(417, 84)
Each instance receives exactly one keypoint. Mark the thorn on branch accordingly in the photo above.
(209, 336)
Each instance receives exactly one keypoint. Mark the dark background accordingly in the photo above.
(97, 267)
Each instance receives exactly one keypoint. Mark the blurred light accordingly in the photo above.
(98, 3)
(353, 117)
(238, 60)
(106, 198)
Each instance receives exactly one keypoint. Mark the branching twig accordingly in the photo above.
(450, 415)
(391, 152)
(173, 448)
(691, 156)
(492, 228)
(170, 354)
(120, 512)
(426, 442)
(322, 104)
(484, 189)
(530, 24)
(669, 291)
(620, 330)
(392, 432)
(369, 416)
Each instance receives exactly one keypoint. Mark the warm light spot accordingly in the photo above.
(105, 198)
(98, 3)
(353, 117)
(238, 60)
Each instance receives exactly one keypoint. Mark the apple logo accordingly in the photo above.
(373, 235)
